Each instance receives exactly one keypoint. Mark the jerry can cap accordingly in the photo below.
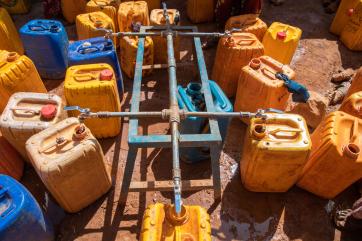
(350, 12)
(12, 56)
(281, 35)
(48, 111)
(351, 150)
(255, 63)
(106, 74)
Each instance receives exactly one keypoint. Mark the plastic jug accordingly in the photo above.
(70, 162)
(46, 43)
(258, 88)
(93, 51)
(344, 12)
(10, 39)
(128, 53)
(16, 7)
(72, 8)
(274, 152)
(280, 41)
(17, 73)
(160, 223)
(88, 25)
(21, 217)
(11, 163)
(335, 161)
(29, 113)
(160, 43)
(191, 99)
(248, 23)
(232, 54)
(94, 86)
(353, 105)
(109, 7)
(132, 12)
(351, 34)
(200, 11)
(356, 85)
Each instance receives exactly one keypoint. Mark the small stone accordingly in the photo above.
(313, 111)
(338, 94)
(342, 76)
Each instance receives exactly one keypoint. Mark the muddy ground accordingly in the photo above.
(241, 215)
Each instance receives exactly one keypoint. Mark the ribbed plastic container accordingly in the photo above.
(248, 23)
(232, 54)
(88, 24)
(351, 34)
(335, 161)
(20, 7)
(128, 54)
(94, 86)
(280, 41)
(11, 163)
(131, 12)
(160, 43)
(160, 223)
(20, 215)
(10, 39)
(27, 114)
(191, 99)
(17, 73)
(72, 8)
(109, 7)
(353, 105)
(70, 162)
(200, 11)
(344, 13)
(274, 152)
(93, 51)
(46, 44)
(258, 88)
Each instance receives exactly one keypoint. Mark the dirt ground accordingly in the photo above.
(241, 215)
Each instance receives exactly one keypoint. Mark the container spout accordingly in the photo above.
(351, 150)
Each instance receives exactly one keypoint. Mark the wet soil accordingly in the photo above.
(241, 215)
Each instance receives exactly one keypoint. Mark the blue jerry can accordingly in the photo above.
(95, 51)
(191, 98)
(20, 215)
(46, 44)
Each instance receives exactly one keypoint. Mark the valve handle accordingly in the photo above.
(73, 108)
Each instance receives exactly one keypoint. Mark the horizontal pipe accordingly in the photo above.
(174, 33)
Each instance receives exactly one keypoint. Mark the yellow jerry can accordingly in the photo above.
(152, 4)
(335, 161)
(356, 85)
(20, 7)
(160, 43)
(128, 52)
(351, 35)
(248, 23)
(274, 152)
(27, 114)
(70, 162)
(258, 88)
(280, 41)
(353, 105)
(232, 54)
(94, 86)
(88, 25)
(130, 13)
(344, 12)
(72, 8)
(10, 39)
(17, 74)
(200, 11)
(109, 7)
(160, 223)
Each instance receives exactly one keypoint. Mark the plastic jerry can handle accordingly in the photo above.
(59, 142)
(355, 133)
(216, 92)
(275, 131)
(268, 73)
(245, 42)
(3, 191)
(88, 49)
(84, 77)
(38, 28)
(186, 99)
(25, 112)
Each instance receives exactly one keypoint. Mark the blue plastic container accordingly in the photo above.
(20, 215)
(46, 44)
(94, 51)
(191, 99)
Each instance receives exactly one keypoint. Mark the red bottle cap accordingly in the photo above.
(281, 35)
(350, 12)
(106, 74)
(48, 111)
